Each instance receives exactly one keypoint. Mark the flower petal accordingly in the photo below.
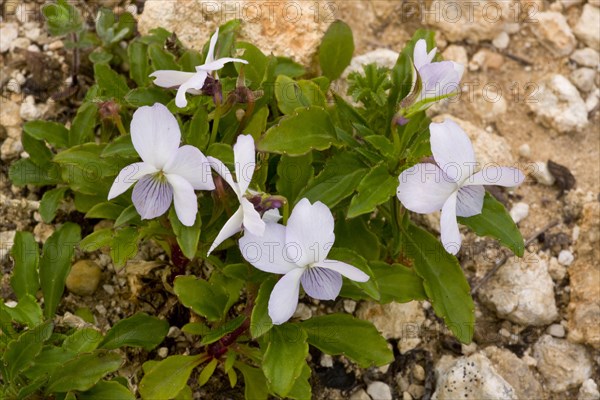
(152, 196)
(189, 163)
(218, 64)
(309, 234)
(424, 188)
(267, 252)
(501, 176)
(469, 201)
(155, 134)
(170, 79)
(321, 283)
(284, 297)
(272, 215)
(210, 56)
(449, 227)
(194, 83)
(420, 55)
(347, 270)
(225, 173)
(231, 227)
(452, 150)
(128, 176)
(245, 162)
(252, 220)
(184, 197)
(440, 79)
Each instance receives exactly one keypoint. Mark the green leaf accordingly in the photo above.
(147, 96)
(104, 390)
(82, 128)
(443, 280)
(257, 63)
(375, 188)
(161, 59)
(26, 254)
(27, 311)
(355, 234)
(84, 371)
(255, 383)
(397, 283)
(121, 147)
(286, 66)
(38, 152)
(62, 18)
(21, 352)
(100, 56)
(223, 330)
(292, 95)
(207, 372)
(336, 49)
(140, 330)
(202, 297)
(129, 215)
(299, 133)
(284, 357)
(294, 174)
(83, 340)
(197, 133)
(338, 180)
(168, 377)
(50, 202)
(338, 333)
(52, 132)
(26, 172)
(55, 264)
(125, 245)
(496, 222)
(302, 389)
(111, 83)
(97, 239)
(138, 62)
(260, 322)
(187, 236)
(105, 210)
(258, 123)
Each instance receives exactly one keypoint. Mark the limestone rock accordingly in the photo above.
(516, 372)
(586, 57)
(84, 278)
(554, 33)
(583, 78)
(8, 33)
(587, 28)
(457, 54)
(472, 378)
(379, 390)
(542, 174)
(563, 365)
(9, 114)
(558, 105)
(7, 238)
(588, 391)
(584, 307)
(522, 291)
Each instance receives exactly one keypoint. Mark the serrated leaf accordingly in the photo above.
(375, 188)
(21, 352)
(26, 254)
(112, 84)
(443, 280)
(165, 379)
(52, 132)
(140, 330)
(27, 311)
(337, 334)
(336, 49)
(84, 371)
(55, 264)
(298, 133)
(496, 222)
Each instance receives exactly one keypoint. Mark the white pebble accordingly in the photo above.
(519, 212)
(326, 361)
(379, 390)
(542, 174)
(501, 41)
(163, 352)
(556, 330)
(525, 150)
(565, 257)
(109, 289)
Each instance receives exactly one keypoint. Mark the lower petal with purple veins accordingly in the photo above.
(470, 201)
(152, 196)
(321, 283)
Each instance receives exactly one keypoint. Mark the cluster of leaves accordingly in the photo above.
(312, 144)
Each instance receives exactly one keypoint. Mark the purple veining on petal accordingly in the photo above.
(439, 79)
(470, 201)
(152, 196)
(321, 283)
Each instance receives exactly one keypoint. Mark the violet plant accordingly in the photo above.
(252, 194)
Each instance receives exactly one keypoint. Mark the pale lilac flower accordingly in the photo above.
(438, 79)
(192, 82)
(299, 251)
(167, 172)
(451, 184)
(245, 216)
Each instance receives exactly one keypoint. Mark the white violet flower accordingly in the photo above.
(299, 251)
(192, 82)
(245, 216)
(451, 184)
(167, 172)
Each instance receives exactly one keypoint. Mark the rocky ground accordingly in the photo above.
(530, 96)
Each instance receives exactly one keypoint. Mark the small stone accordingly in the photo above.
(512, 27)
(20, 43)
(516, 372)
(29, 111)
(489, 104)
(419, 372)
(7, 238)
(556, 330)
(588, 391)
(58, 44)
(519, 212)
(501, 41)
(101, 309)
(303, 312)
(84, 278)
(468, 349)
(556, 270)
(326, 361)
(457, 54)
(9, 114)
(349, 306)
(406, 396)
(591, 103)
(32, 33)
(542, 174)
(379, 391)
(565, 257)
(587, 28)
(570, 3)
(8, 33)
(525, 150)
(10, 149)
(42, 232)
(564, 365)
(586, 57)
(554, 33)
(162, 352)
(583, 78)
(486, 60)
(360, 394)
(110, 289)
(174, 332)
(416, 391)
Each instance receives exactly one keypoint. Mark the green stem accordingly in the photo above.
(120, 126)
(215, 127)
(286, 212)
